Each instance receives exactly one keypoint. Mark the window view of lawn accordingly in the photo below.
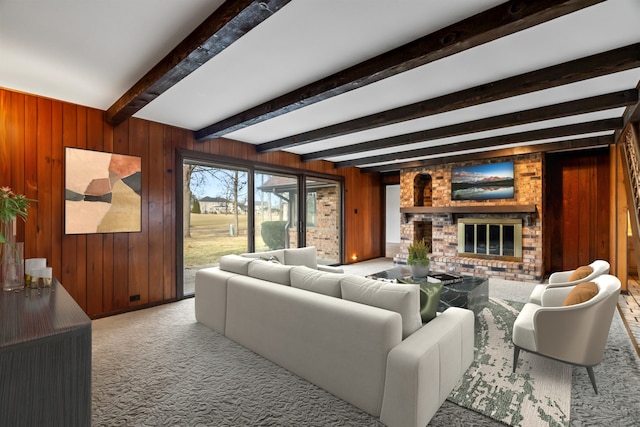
(211, 237)
(216, 221)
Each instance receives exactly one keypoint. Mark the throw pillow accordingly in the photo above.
(429, 299)
(301, 256)
(267, 255)
(581, 293)
(580, 273)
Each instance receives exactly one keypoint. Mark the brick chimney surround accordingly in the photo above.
(428, 212)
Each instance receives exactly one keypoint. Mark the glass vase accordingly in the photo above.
(11, 257)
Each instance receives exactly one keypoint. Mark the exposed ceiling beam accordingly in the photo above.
(564, 109)
(502, 20)
(631, 115)
(232, 20)
(493, 141)
(597, 65)
(572, 144)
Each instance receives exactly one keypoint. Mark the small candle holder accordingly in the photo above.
(43, 277)
(30, 266)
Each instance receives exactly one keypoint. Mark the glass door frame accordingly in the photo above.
(183, 155)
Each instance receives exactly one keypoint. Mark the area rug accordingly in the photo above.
(537, 394)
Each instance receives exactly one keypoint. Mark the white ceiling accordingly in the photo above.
(90, 52)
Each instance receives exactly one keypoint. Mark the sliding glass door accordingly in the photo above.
(215, 216)
(276, 211)
(233, 207)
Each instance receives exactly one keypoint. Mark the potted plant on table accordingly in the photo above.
(12, 206)
(418, 259)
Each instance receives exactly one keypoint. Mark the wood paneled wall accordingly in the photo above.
(577, 208)
(101, 271)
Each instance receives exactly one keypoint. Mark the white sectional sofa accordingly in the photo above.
(360, 339)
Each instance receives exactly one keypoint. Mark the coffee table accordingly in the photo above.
(471, 293)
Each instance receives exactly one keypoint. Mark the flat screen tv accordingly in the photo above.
(482, 182)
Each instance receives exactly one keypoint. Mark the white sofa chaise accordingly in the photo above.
(360, 339)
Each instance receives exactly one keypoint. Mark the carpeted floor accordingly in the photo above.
(158, 367)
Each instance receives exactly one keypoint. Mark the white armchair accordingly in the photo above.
(561, 278)
(575, 334)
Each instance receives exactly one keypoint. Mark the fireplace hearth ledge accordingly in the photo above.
(528, 211)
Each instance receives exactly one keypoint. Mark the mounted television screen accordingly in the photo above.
(482, 182)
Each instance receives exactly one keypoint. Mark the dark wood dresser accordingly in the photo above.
(45, 359)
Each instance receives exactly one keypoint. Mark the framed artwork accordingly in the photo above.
(102, 192)
(483, 182)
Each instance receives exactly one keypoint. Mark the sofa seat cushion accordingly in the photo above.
(270, 271)
(306, 278)
(301, 256)
(235, 264)
(403, 299)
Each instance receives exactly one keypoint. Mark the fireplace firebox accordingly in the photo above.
(490, 237)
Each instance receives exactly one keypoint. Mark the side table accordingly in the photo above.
(471, 293)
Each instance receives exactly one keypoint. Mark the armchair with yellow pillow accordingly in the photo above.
(560, 279)
(571, 325)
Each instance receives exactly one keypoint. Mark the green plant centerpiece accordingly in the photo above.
(12, 206)
(418, 259)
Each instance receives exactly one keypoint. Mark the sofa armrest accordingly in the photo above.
(211, 297)
(330, 269)
(424, 368)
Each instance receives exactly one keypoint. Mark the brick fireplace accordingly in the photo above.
(428, 212)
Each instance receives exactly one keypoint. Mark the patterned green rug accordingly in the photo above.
(538, 394)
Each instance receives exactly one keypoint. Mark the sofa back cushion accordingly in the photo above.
(403, 299)
(306, 278)
(270, 271)
(235, 264)
(301, 256)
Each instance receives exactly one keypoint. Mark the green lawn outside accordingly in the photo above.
(210, 239)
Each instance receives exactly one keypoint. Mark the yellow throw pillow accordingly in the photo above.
(581, 293)
(580, 273)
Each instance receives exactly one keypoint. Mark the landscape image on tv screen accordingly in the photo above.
(482, 182)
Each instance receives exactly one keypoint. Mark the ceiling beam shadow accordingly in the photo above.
(502, 20)
(597, 65)
(493, 141)
(548, 112)
(572, 144)
(228, 23)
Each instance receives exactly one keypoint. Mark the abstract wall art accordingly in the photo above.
(102, 192)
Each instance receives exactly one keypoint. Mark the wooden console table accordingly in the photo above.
(45, 359)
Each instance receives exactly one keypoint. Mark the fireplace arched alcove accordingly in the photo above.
(422, 190)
